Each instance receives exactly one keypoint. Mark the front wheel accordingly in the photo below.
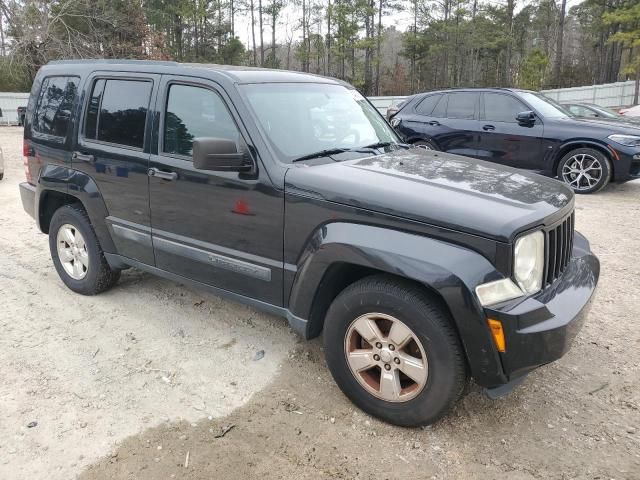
(393, 351)
(585, 170)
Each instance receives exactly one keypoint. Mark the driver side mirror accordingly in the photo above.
(219, 154)
(526, 119)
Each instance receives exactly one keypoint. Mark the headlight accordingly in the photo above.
(498, 291)
(628, 140)
(528, 262)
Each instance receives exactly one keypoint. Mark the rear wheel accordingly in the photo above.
(393, 351)
(76, 252)
(585, 170)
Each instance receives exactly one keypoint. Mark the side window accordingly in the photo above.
(579, 111)
(462, 105)
(53, 111)
(117, 111)
(428, 103)
(502, 108)
(440, 110)
(193, 112)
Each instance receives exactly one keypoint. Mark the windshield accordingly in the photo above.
(300, 119)
(545, 106)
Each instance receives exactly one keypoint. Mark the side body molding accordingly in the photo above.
(450, 271)
(62, 179)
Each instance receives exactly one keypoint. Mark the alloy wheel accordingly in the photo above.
(72, 251)
(582, 172)
(386, 357)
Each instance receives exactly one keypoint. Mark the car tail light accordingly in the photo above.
(26, 152)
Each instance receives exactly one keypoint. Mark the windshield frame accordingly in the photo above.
(288, 160)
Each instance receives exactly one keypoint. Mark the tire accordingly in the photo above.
(84, 270)
(426, 144)
(381, 298)
(585, 170)
(1, 176)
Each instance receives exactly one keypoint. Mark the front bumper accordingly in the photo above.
(28, 196)
(541, 329)
(627, 166)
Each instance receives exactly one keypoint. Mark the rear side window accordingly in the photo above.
(428, 103)
(463, 105)
(55, 104)
(194, 112)
(117, 111)
(502, 108)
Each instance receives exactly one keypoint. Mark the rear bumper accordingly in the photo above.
(28, 196)
(541, 329)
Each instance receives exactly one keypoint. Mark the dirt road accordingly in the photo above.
(132, 383)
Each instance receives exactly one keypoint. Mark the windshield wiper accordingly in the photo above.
(333, 151)
(322, 153)
(380, 145)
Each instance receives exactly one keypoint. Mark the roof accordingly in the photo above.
(238, 74)
(476, 89)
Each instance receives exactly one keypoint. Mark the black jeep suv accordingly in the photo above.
(523, 129)
(291, 193)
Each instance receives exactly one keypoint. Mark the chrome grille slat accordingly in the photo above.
(559, 245)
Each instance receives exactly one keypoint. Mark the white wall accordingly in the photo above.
(619, 94)
(9, 103)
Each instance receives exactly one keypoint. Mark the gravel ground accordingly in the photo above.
(153, 380)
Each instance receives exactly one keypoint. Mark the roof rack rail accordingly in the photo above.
(112, 62)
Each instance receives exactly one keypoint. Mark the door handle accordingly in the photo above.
(488, 128)
(156, 172)
(434, 123)
(82, 157)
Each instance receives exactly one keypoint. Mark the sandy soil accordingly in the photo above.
(141, 382)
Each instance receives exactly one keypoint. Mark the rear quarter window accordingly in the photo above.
(53, 112)
(427, 104)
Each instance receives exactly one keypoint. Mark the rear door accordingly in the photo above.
(502, 140)
(459, 127)
(113, 149)
(448, 120)
(223, 229)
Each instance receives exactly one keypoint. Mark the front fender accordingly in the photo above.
(574, 143)
(449, 270)
(61, 179)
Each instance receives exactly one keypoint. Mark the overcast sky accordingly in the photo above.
(290, 17)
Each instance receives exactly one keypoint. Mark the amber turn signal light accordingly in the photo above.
(498, 334)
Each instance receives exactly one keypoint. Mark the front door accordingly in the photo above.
(503, 140)
(219, 228)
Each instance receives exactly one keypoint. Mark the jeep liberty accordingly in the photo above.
(291, 193)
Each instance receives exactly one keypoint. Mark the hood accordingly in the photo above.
(607, 126)
(436, 188)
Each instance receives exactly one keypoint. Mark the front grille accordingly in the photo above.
(558, 247)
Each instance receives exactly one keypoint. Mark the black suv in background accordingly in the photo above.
(291, 193)
(522, 129)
